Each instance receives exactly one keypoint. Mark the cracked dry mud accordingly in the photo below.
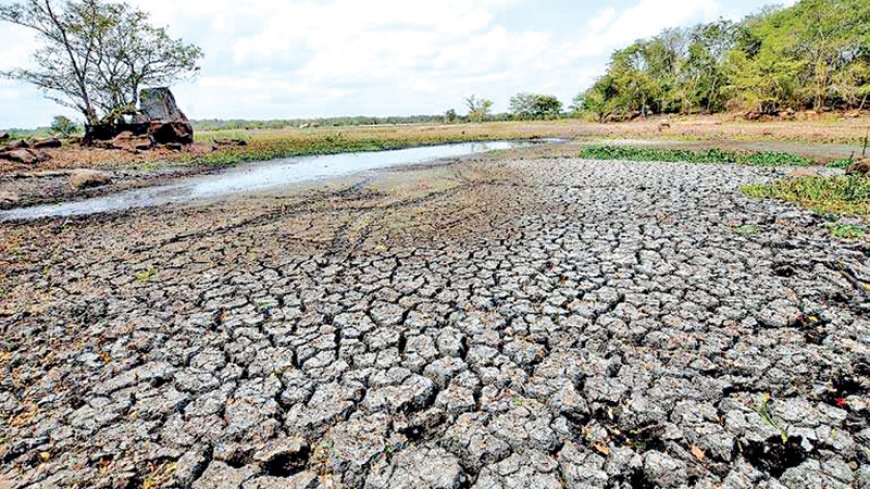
(490, 324)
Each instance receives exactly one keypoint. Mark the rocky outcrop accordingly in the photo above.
(167, 132)
(166, 122)
(160, 120)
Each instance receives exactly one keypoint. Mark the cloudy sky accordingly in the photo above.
(287, 58)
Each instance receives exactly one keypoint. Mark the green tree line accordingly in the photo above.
(813, 55)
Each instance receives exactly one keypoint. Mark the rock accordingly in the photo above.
(131, 142)
(83, 179)
(166, 132)
(174, 147)
(158, 104)
(860, 167)
(47, 143)
(167, 123)
(4, 137)
(23, 156)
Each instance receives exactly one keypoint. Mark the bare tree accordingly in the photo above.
(96, 55)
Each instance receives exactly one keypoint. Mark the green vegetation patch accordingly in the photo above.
(841, 194)
(847, 231)
(270, 149)
(714, 155)
(747, 230)
(841, 164)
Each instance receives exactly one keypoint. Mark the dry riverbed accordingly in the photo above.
(523, 320)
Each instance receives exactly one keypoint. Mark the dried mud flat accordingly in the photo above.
(505, 324)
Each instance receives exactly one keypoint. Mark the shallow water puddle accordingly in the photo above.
(256, 177)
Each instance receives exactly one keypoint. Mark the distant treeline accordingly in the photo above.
(220, 124)
(813, 55)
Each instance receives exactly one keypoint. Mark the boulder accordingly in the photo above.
(158, 104)
(860, 167)
(4, 136)
(83, 179)
(165, 132)
(24, 156)
(47, 143)
(128, 141)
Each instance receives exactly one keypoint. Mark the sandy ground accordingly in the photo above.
(514, 320)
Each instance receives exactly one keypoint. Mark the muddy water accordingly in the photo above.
(255, 177)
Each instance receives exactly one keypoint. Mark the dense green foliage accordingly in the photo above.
(844, 194)
(813, 55)
(94, 55)
(63, 126)
(715, 155)
(526, 106)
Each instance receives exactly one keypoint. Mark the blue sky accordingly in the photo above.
(288, 59)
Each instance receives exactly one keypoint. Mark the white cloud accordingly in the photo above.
(268, 59)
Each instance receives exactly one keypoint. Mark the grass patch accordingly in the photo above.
(841, 164)
(847, 231)
(747, 230)
(763, 410)
(715, 155)
(273, 146)
(146, 275)
(840, 194)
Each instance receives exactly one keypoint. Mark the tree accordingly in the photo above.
(815, 54)
(64, 126)
(478, 108)
(526, 105)
(450, 116)
(95, 55)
